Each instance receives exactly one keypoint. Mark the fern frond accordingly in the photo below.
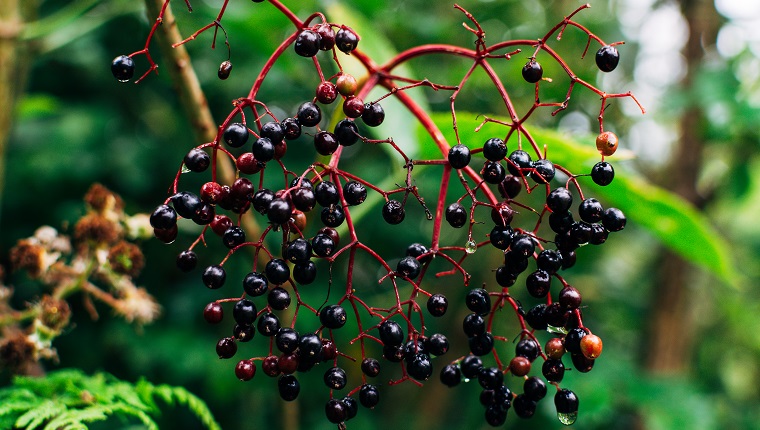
(36, 416)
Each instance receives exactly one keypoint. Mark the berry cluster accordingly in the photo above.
(304, 213)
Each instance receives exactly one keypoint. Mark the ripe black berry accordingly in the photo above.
(305, 273)
(459, 156)
(307, 43)
(370, 367)
(607, 58)
(437, 344)
(450, 375)
(613, 219)
(523, 406)
(534, 388)
(333, 316)
(580, 232)
(532, 71)
(292, 128)
(493, 172)
(186, 204)
(536, 317)
(373, 114)
(437, 305)
(336, 411)
(522, 245)
(326, 193)
(369, 396)
(309, 114)
(598, 234)
(573, 340)
(456, 215)
(519, 159)
(481, 344)
(303, 199)
(278, 298)
(527, 348)
(346, 132)
(298, 250)
(187, 260)
(490, 378)
(244, 312)
(346, 40)
(354, 192)
(511, 186)
(268, 324)
(214, 277)
(288, 387)
(590, 210)
(236, 135)
(602, 173)
(197, 160)
(226, 347)
(538, 283)
(332, 216)
(494, 149)
(478, 301)
(566, 402)
(553, 370)
(277, 271)
(279, 211)
(473, 324)
(496, 415)
(471, 366)
(390, 333)
(408, 267)
(393, 212)
(163, 217)
(224, 71)
(261, 200)
(310, 346)
(263, 149)
(327, 37)
(322, 245)
(543, 171)
(123, 68)
(325, 142)
(233, 237)
(569, 298)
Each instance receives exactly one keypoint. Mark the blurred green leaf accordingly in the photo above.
(672, 220)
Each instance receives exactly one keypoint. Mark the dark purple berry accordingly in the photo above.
(235, 135)
(373, 114)
(393, 212)
(346, 40)
(532, 71)
(437, 305)
(307, 43)
(613, 219)
(123, 68)
(197, 160)
(607, 58)
(459, 156)
(214, 277)
(309, 114)
(456, 215)
(602, 173)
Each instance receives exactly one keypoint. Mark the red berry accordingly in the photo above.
(591, 346)
(245, 370)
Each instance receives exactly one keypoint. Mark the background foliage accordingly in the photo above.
(74, 125)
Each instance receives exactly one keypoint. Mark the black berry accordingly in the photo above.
(235, 135)
(459, 156)
(123, 68)
(307, 43)
(607, 58)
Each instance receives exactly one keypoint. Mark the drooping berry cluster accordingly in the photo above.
(304, 212)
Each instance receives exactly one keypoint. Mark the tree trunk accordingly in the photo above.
(671, 334)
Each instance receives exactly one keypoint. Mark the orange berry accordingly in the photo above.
(607, 143)
(591, 346)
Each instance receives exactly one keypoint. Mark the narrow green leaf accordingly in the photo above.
(672, 220)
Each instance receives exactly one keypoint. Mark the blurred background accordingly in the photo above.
(682, 345)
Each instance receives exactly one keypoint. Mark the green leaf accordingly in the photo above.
(672, 220)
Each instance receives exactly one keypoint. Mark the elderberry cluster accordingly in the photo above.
(300, 243)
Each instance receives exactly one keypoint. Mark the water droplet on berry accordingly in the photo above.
(470, 247)
(567, 419)
(556, 330)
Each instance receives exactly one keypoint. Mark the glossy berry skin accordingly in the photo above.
(322, 245)
(332, 216)
(279, 211)
(534, 388)
(543, 171)
(197, 160)
(532, 71)
(473, 324)
(310, 346)
(573, 340)
(354, 192)
(493, 172)
(549, 260)
(287, 340)
(298, 250)
(522, 245)
(226, 347)
(369, 396)
(245, 370)
(459, 156)
(494, 149)
(590, 210)
(437, 344)
(278, 298)
(244, 312)
(325, 143)
(333, 316)
(346, 84)
(523, 406)
(214, 277)
(613, 219)
(303, 199)
(370, 367)
(213, 313)
(123, 68)
(186, 260)
(163, 217)
(346, 132)
(288, 387)
(307, 43)
(255, 284)
(327, 92)
(490, 378)
(268, 324)
(225, 68)
(602, 173)
(527, 348)
(243, 333)
(233, 237)
(326, 193)
(390, 333)
(305, 273)
(346, 40)
(481, 344)
(501, 237)
(437, 305)
(519, 160)
(519, 366)
(393, 212)
(471, 366)
(553, 370)
(336, 411)
(292, 128)
(408, 267)
(186, 204)
(566, 401)
(277, 271)
(569, 298)
(607, 143)
(309, 114)
(456, 215)
(450, 375)
(479, 301)
(235, 135)
(607, 58)
(536, 317)
(559, 200)
(591, 346)
(511, 186)
(353, 107)
(373, 114)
